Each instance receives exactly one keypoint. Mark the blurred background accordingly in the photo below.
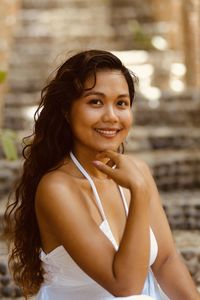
(160, 41)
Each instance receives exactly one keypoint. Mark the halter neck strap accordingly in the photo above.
(86, 175)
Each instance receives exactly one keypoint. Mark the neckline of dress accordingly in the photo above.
(61, 247)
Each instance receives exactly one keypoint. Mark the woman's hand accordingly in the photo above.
(124, 170)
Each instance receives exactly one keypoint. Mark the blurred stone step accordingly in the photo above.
(28, 80)
(3, 247)
(8, 289)
(9, 170)
(66, 29)
(30, 47)
(136, 8)
(173, 169)
(182, 209)
(188, 243)
(20, 99)
(142, 138)
(65, 21)
(45, 4)
(51, 4)
(20, 118)
(174, 111)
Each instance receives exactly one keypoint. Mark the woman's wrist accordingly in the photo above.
(139, 194)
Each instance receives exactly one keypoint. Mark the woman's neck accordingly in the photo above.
(85, 159)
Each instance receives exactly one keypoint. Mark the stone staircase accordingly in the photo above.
(166, 124)
(168, 138)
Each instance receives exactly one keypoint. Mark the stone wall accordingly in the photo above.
(188, 244)
(8, 20)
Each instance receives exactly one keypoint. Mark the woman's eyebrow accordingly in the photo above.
(124, 96)
(89, 93)
(93, 93)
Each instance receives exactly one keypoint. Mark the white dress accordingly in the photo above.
(65, 280)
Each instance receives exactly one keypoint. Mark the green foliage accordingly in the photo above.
(3, 75)
(7, 139)
(140, 37)
(7, 136)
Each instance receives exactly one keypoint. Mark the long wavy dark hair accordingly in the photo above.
(44, 150)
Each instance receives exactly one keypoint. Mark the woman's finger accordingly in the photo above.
(114, 156)
(103, 168)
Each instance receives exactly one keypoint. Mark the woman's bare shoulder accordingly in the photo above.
(57, 176)
(53, 180)
(55, 185)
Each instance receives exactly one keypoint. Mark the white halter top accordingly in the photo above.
(65, 280)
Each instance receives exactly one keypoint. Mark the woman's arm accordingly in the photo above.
(175, 279)
(169, 268)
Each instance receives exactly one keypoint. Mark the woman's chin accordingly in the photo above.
(111, 148)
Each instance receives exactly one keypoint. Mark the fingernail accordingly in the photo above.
(96, 162)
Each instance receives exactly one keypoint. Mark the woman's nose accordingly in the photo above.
(109, 114)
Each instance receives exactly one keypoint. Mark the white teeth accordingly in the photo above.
(107, 132)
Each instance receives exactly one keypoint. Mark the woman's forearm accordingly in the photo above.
(176, 280)
(130, 264)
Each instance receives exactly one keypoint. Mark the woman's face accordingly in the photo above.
(100, 119)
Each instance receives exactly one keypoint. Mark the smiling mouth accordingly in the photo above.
(107, 132)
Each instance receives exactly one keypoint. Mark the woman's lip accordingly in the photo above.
(107, 129)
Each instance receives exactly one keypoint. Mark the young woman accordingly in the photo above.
(88, 222)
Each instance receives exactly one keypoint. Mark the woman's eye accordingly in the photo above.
(95, 102)
(123, 103)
